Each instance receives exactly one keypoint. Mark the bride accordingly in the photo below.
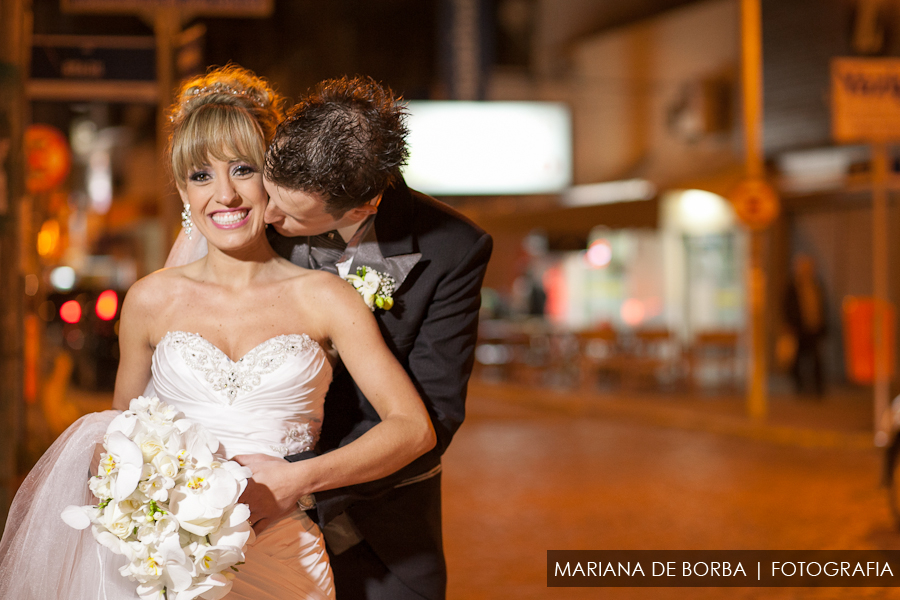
(241, 341)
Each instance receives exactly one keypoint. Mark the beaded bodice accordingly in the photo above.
(269, 401)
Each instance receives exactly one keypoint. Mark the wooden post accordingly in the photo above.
(882, 382)
(751, 78)
(14, 28)
(166, 27)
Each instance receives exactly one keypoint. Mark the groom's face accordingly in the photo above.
(294, 213)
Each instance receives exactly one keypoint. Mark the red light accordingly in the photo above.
(599, 254)
(70, 312)
(107, 305)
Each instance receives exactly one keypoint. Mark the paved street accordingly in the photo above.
(533, 470)
(523, 477)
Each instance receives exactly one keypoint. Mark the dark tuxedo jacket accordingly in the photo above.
(432, 331)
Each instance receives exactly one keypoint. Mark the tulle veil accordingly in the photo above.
(42, 558)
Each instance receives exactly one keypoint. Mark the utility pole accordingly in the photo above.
(14, 24)
(751, 74)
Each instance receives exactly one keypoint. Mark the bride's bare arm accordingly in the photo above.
(135, 350)
(404, 433)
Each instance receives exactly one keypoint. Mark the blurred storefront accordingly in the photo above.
(657, 101)
(645, 244)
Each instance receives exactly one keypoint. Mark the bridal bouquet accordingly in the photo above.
(168, 504)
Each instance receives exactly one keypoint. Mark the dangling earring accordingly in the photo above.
(186, 222)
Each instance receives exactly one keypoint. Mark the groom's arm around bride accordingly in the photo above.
(338, 203)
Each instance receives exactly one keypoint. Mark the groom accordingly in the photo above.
(338, 202)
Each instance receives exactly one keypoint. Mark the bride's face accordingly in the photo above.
(228, 202)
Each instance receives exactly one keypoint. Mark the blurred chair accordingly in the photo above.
(713, 359)
(508, 350)
(655, 359)
(600, 357)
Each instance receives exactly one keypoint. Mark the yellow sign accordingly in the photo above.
(865, 99)
(755, 203)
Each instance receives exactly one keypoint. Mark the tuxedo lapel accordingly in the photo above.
(389, 245)
(369, 254)
(392, 223)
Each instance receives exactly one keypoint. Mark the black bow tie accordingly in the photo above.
(325, 250)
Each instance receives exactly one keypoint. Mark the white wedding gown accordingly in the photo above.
(270, 401)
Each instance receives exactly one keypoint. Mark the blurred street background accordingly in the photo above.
(688, 328)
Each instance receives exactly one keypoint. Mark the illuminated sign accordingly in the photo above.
(865, 99)
(481, 148)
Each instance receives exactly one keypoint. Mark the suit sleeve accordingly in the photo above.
(441, 360)
(440, 364)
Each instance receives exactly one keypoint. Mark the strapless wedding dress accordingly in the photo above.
(270, 401)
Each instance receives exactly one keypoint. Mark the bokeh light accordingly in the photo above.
(70, 311)
(107, 305)
(63, 278)
(48, 237)
(599, 254)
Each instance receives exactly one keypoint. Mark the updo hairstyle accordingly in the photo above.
(227, 114)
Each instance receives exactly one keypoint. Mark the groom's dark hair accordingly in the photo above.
(345, 141)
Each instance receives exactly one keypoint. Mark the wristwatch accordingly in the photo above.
(306, 502)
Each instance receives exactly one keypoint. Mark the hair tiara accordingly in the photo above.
(217, 88)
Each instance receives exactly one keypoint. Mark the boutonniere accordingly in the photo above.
(375, 287)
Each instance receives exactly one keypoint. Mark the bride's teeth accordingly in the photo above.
(229, 217)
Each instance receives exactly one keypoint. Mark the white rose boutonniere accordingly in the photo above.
(375, 287)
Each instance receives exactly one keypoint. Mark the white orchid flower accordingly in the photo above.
(155, 485)
(155, 528)
(101, 486)
(214, 559)
(179, 570)
(199, 443)
(148, 569)
(235, 530)
(116, 544)
(126, 422)
(81, 517)
(151, 591)
(210, 587)
(239, 472)
(200, 503)
(128, 462)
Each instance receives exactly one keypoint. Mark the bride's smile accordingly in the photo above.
(230, 219)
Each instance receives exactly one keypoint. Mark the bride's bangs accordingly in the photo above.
(222, 132)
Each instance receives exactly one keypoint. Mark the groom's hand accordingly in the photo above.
(270, 493)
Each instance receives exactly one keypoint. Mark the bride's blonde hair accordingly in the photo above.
(227, 114)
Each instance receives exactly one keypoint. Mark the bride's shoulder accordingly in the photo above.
(324, 289)
(156, 289)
